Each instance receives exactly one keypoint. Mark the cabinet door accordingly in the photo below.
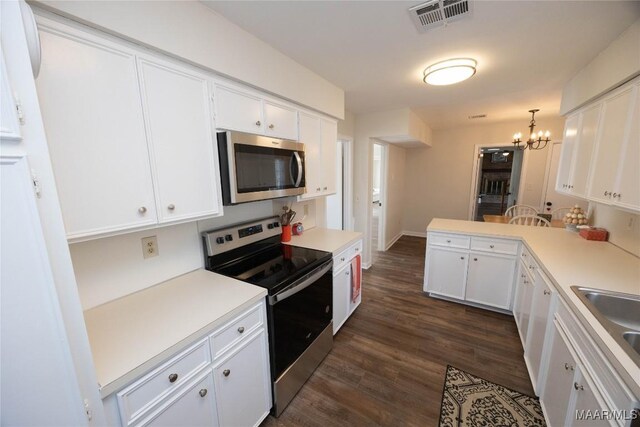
(615, 114)
(280, 121)
(542, 296)
(519, 294)
(627, 189)
(490, 280)
(239, 111)
(179, 127)
(566, 155)
(310, 136)
(446, 272)
(90, 102)
(556, 393)
(526, 304)
(329, 156)
(243, 384)
(193, 406)
(586, 402)
(9, 123)
(341, 294)
(582, 159)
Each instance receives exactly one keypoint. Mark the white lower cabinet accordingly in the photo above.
(344, 274)
(193, 389)
(241, 397)
(482, 274)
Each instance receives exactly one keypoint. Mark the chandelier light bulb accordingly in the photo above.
(547, 134)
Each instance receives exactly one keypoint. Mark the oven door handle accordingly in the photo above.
(301, 284)
(298, 179)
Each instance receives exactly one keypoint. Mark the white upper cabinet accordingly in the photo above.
(584, 151)
(320, 139)
(566, 155)
(90, 102)
(9, 123)
(248, 112)
(628, 185)
(177, 107)
(329, 153)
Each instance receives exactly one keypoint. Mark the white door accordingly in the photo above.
(38, 382)
(243, 384)
(553, 199)
(490, 279)
(628, 190)
(564, 160)
(341, 296)
(335, 203)
(310, 136)
(194, 406)
(586, 402)
(556, 394)
(446, 272)
(96, 133)
(280, 121)
(542, 294)
(239, 111)
(329, 130)
(178, 113)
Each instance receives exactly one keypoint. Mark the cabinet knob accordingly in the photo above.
(461, 257)
(318, 189)
(475, 259)
(491, 246)
(615, 195)
(171, 207)
(531, 267)
(173, 378)
(346, 273)
(342, 259)
(203, 392)
(448, 241)
(357, 249)
(271, 126)
(578, 386)
(606, 193)
(546, 292)
(226, 372)
(258, 123)
(568, 367)
(241, 329)
(142, 210)
(325, 188)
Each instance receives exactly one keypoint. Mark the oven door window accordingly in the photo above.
(263, 168)
(299, 319)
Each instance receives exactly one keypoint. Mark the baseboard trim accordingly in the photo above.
(415, 233)
(391, 243)
(367, 265)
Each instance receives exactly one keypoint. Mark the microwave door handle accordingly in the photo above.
(301, 284)
(299, 162)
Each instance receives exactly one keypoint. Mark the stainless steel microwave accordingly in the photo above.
(256, 167)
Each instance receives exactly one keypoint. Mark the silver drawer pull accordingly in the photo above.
(142, 210)
(461, 257)
(475, 259)
(271, 126)
(241, 329)
(226, 372)
(203, 392)
(173, 378)
(171, 207)
(258, 123)
(578, 386)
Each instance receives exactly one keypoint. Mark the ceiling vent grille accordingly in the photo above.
(435, 13)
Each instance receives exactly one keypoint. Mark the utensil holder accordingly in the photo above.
(286, 233)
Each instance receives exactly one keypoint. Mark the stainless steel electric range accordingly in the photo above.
(299, 300)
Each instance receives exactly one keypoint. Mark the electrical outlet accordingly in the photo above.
(630, 222)
(149, 247)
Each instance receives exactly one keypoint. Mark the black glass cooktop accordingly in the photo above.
(271, 266)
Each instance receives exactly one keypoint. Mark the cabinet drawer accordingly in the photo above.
(450, 240)
(347, 255)
(134, 400)
(234, 331)
(615, 394)
(499, 246)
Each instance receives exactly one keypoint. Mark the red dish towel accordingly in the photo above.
(356, 278)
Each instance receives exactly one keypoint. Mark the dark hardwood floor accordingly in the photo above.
(388, 361)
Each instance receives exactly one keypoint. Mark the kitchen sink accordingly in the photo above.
(619, 314)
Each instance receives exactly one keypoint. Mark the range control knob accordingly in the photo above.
(276, 224)
(228, 237)
(270, 226)
(219, 240)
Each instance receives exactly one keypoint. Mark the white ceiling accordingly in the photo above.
(526, 51)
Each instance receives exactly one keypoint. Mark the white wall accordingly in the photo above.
(191, 31)
(623, 227)
(619, 62)
(438, 179)
(346, 127)
(395, 199)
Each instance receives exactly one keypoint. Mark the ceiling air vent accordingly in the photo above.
(435, 13)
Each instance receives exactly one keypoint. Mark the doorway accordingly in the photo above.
(497, 180)
(378, 198)
(338, 206)
(551, 199)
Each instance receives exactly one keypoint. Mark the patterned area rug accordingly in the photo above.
(468, 400)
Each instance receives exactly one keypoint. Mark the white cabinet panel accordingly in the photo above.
(179, 127)
(243, 384)
(581, 163)
(628, 187)
(328, 162)
(310, 136)
(90, 104)
(524, 304)
(341, 296)
(280, 121)
(540, 308)
(586, 402)
(611, 137)
(239, 111)
(566, 155)
(194, 406)
(490, 279)
(9, 123)
(446, 272)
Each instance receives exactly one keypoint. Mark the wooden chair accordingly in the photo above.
(516, 210)
(532, 220)
(559, 213)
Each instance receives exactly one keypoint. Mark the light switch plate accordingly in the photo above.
(149, 247)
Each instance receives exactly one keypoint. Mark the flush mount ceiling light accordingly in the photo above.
(450, 71)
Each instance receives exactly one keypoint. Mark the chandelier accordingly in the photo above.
(535, 141)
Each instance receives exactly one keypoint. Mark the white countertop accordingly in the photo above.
(134, 333)
(325, 239)
(570, 260)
